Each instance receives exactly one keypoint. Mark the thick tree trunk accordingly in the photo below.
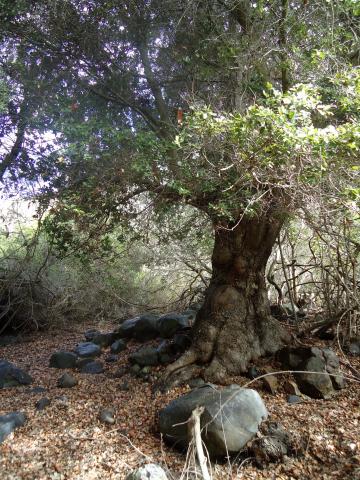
(234, 325)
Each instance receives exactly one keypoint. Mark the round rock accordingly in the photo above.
(67, 381)
(63, 359)
(87, 349)
(148, 472)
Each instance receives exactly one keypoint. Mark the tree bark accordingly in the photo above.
(234, 325)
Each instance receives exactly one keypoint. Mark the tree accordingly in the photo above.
(247, 152)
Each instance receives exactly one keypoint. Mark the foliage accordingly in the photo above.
(130, 274)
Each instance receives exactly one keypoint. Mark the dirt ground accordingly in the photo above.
(67, 440)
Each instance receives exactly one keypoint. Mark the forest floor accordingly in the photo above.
(67, 440)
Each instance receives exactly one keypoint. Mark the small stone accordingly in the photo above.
(253, 373)
(294, 399)
(67, 381)
(104, 340)
(118, 346)
(63, 359)
(124, 387)
(120, 372)
(90, 334)
(135, 369)
(62, 398)
(6, 340)
(107, 416)
(83, 361)
(112, 358)
(148, 472)
(354, 348)
(93, 368)
(145, 356)
(36, 390)
(42, 403)
(87, 349)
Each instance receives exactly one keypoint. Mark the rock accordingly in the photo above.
(196, 382)
(142, 328)
(135, 369)
(83, 361)
(169, 324)
(232, 416)
(316, 385)
(107, 415)
(165, 358)
(253, 372)
(42, 403)
(354, 347)
(182, 342)
(63, 359)
(314, 359)
(12, 376)
(62, 400)
(190, 314)
(6, 340)
(124, 387)
(87, 349)
(294, 399)
(145, 356)
(165, 346)
(118, 346)
(36, 390)
(273, 444)
(90, 334)
(196, 306)
(150, 471)
(291, 388)
(67, 381)
(112, 358)
(9, 422)
(94, 367)
(166, 352)
(104, 340)
(120, 372)
(271, 383)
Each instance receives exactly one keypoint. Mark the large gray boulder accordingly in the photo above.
(9, 422)
(12, 376)
(150, 471)
(169, 324)
(87, 349)
(143, 328)
(63, 359)
(232, 417)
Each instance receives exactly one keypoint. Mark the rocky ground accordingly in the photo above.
(67, 440)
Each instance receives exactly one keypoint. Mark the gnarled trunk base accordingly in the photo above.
(234, 326)
(233, 329)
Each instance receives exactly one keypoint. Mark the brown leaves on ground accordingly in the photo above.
(67, 441)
